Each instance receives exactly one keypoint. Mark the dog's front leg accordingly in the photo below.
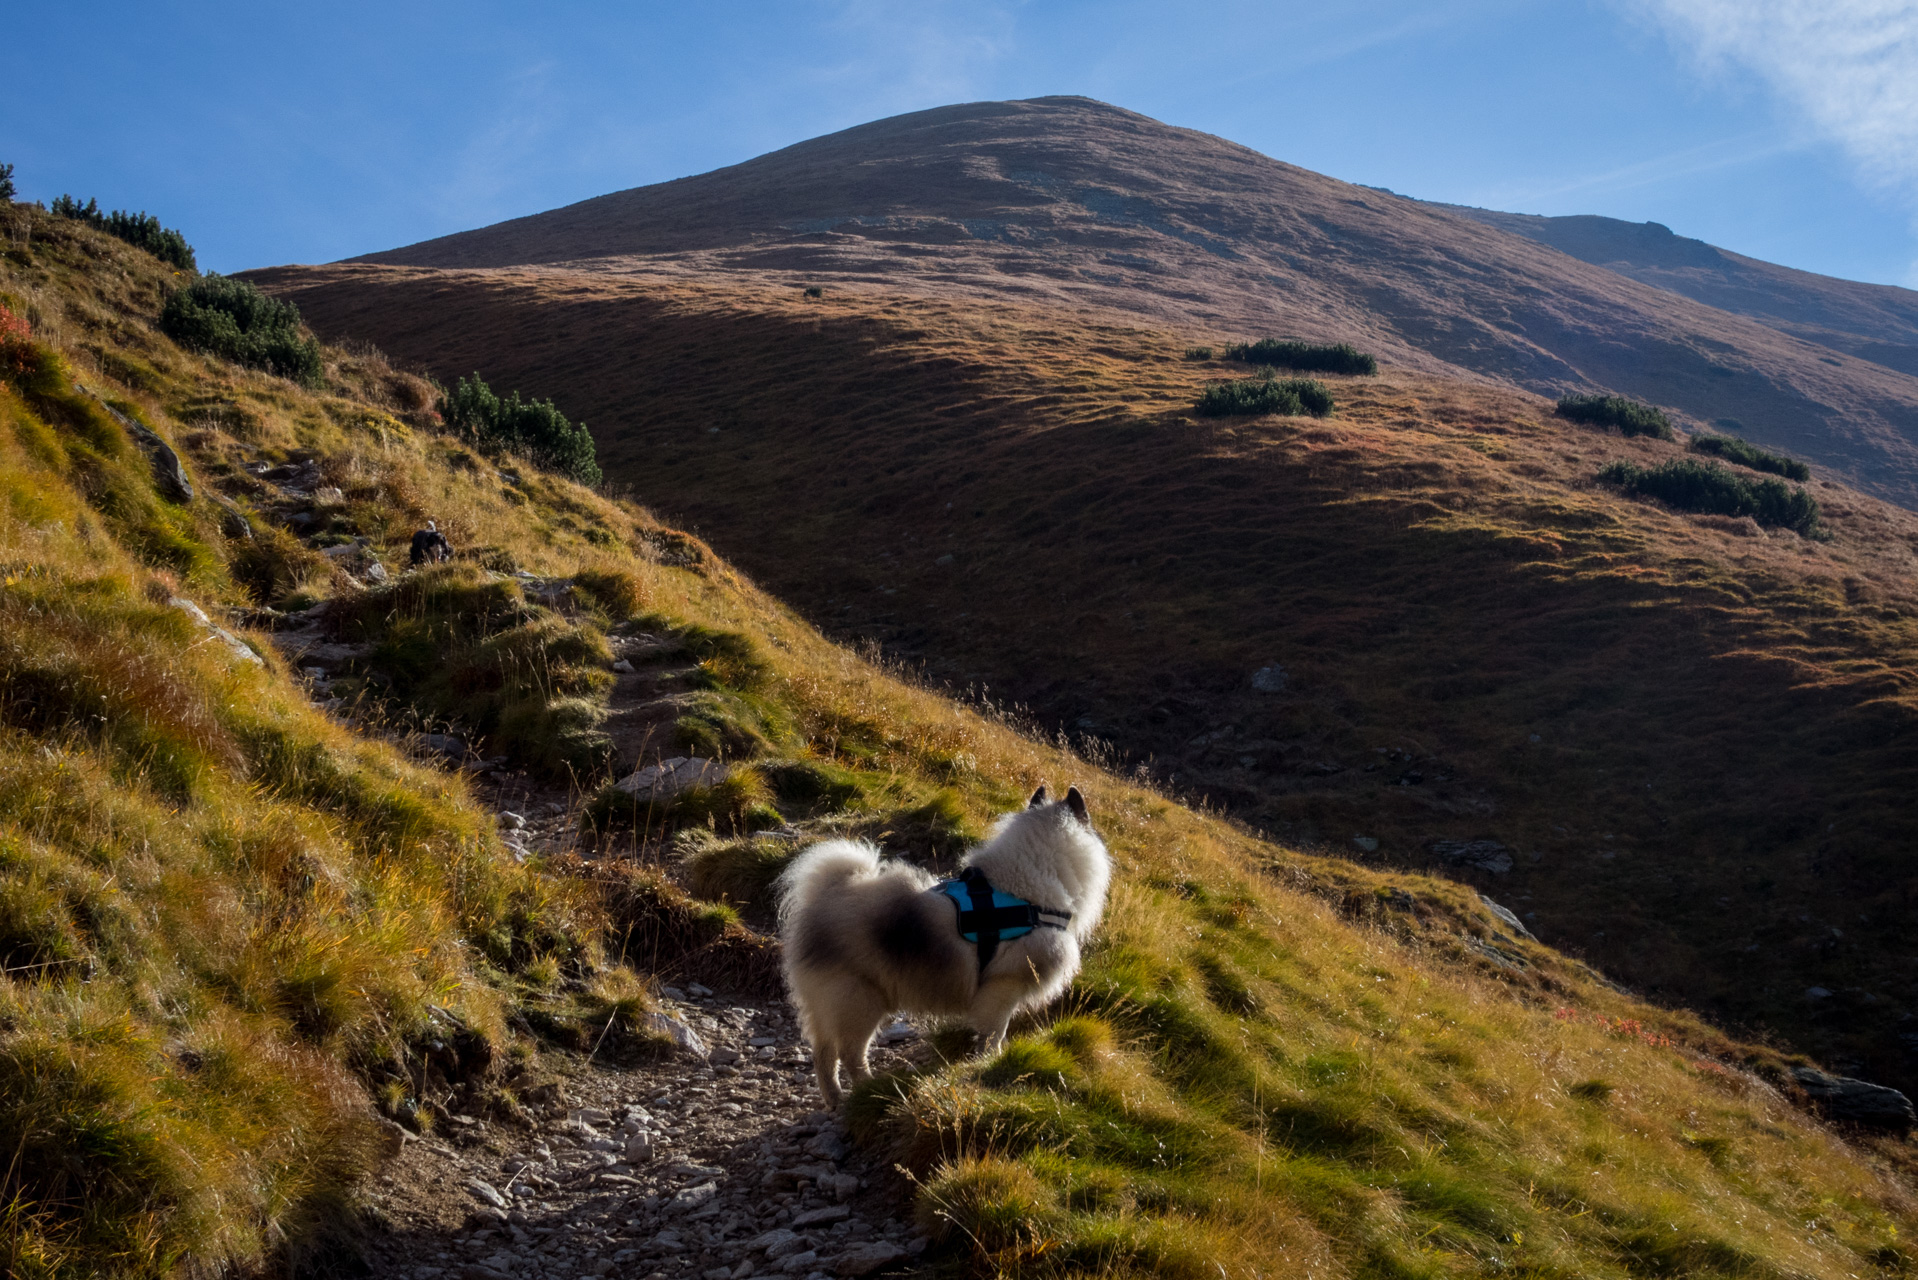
(992, 1011)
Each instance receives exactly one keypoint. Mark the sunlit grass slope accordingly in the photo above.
(229, 920)
(1696, 737)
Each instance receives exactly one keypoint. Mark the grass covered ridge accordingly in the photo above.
(1273, 1061)
(1451, 592)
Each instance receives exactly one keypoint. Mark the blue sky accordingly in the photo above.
(1785, 129)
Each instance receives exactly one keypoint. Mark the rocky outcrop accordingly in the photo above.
(1858, 1102)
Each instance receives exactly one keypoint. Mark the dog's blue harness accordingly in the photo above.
(988, 917)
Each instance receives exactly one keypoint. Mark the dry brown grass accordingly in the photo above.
(1275, 1064)
(1699, 728)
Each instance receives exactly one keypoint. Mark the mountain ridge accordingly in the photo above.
(1068, 201)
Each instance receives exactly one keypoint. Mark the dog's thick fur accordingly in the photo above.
(865, 938)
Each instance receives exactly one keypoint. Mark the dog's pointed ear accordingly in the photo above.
(1038, 797)
(1077, 803)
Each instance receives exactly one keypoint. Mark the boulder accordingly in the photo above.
(1269, 679)
(683, 1037)
(1506, 917)
(668, 779)
(1483, 855)
(1858, 1102)
(864, 1259)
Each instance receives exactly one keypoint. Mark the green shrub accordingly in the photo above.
(141, 230)
(1708, 487)
(534, 429)
(814, 291)
(6, 183)
(1629, 416)
(1289, 396)
(1198, 353)
(1316, 357)
(235, 321)
(1745, 454)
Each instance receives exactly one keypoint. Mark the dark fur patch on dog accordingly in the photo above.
(900, 933)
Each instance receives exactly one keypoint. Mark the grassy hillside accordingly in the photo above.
(237, 925)
(1694, 736)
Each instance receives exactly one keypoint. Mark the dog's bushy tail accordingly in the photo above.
(820, 870)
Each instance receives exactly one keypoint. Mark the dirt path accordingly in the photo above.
(692, 1167)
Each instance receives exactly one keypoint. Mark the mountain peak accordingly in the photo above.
(1072, 201)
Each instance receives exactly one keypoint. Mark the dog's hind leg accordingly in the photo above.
(825, 1065)
(855, 1022)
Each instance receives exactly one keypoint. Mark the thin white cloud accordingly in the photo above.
(1851, 66)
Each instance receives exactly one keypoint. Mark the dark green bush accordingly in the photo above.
(6, 183)
(232, 319)
(534, 429)
(1317, 357)
(1745, 454)
(1291, 396)
(141, 230)
(1198, 353)
(1629, 416)
(1704, 486)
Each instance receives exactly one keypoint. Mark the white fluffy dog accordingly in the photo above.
(865, 938)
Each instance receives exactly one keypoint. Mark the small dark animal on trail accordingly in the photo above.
(430, 546)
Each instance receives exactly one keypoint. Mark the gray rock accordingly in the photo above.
(1368, 843)
(1269, 679)
(671, 778)
(779, 1239)
(443, 744)
(169, 473)
(1485, 855)
(1505, 916)
(864, 1259)
(799, 1262)
(486, 1191)
(1857, 1102)
(376, 572)
(827, 1146)
(236, 646)
(844, 1186)
(723, 1055)
(624, 667)
(691, 1198)
(823, 1217)
(683, 1037)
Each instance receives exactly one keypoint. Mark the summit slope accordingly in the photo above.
(1072, 201)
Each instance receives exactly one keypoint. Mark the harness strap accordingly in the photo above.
(986, 920)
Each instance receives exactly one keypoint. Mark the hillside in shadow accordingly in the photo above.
(1688, 739)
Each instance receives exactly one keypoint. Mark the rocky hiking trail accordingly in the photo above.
(710, 1160)
(711, 1163)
